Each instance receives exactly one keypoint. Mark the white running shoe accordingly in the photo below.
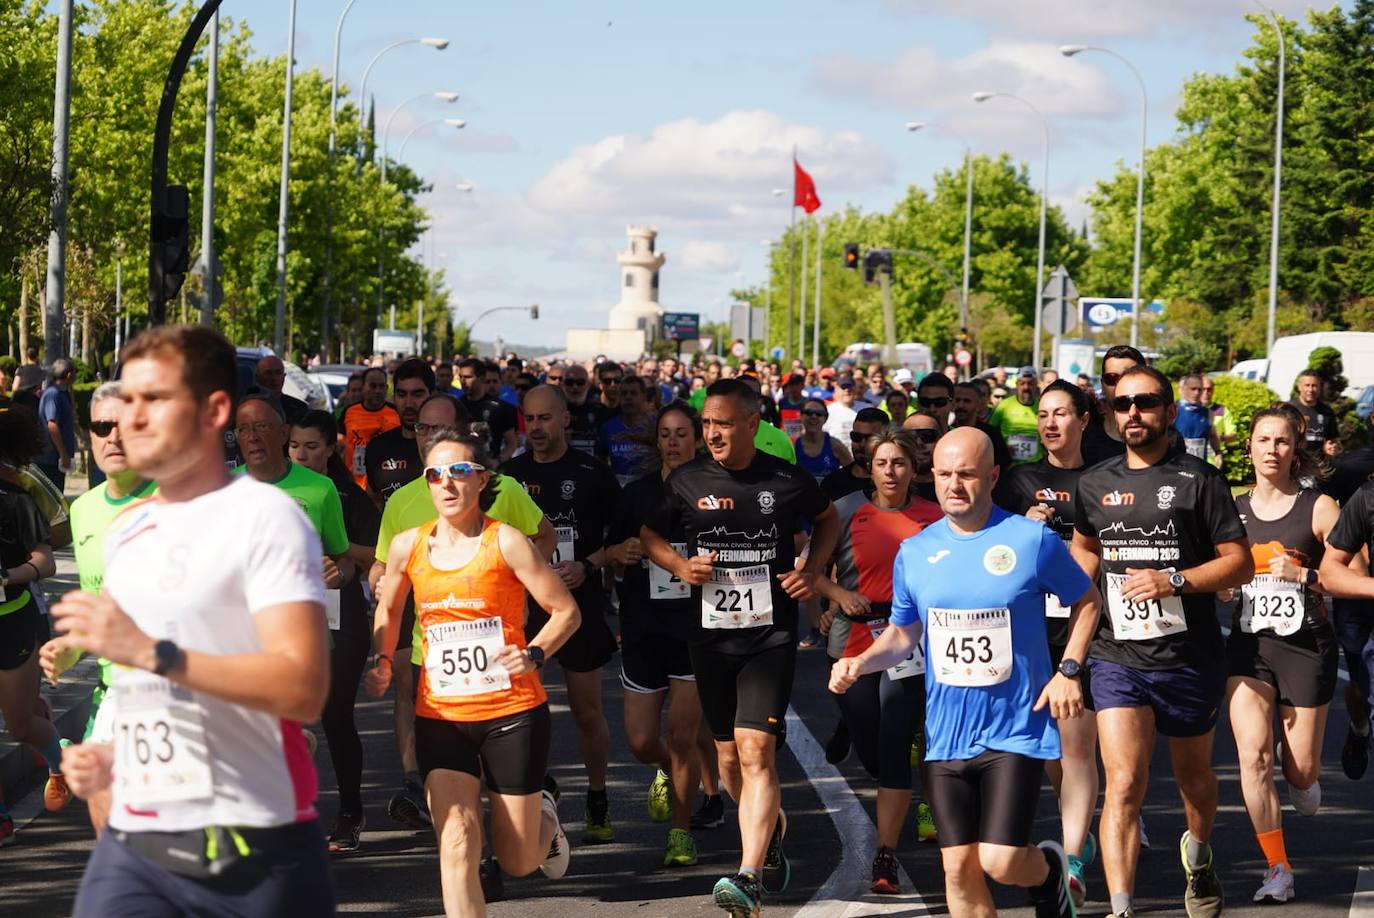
(1306, 802)
(556, 863)
(1277, 886)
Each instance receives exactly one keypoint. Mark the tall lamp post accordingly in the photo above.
(1044, 193)
(441, 95)
(1278, 183)
(456, 123)
(436, 43)
(56, 289)
(1070, 51)
(968, 213)
(279, 324)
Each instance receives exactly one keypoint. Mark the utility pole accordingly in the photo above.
(889, 319)
(816, 312)
(210, 297)
(54, 300)
(279, 328)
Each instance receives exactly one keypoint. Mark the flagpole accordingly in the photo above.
(816, 311)
(801, 318)
(792, 262)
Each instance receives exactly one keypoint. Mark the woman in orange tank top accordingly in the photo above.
(481, 714)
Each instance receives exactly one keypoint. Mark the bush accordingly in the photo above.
(8, 365)
(81, 402)
(1188, 355)
(1242, 397)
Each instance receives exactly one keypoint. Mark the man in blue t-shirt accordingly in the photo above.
(59, 422)
(626, 438)
(969, 591)
(1194, 421)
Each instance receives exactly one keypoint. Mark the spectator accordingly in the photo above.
(56, 411)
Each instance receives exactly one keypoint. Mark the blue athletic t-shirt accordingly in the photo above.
(1011, 563)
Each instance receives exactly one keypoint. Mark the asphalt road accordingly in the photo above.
(396, 871)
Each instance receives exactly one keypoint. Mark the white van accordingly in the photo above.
(1289, 358)
(913, 355)
(1256, 368)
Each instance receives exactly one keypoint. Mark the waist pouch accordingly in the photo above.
(215, 851)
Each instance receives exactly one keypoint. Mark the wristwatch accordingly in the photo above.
(536, 655)
(4, 577)
(168, 657)
(1070, 669)
(590, 568)
(1309, 576)
(1178, 582)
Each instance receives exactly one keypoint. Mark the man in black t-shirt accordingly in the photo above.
(1161, 528)
(739, 510)
(393, 458)
(1320, 432)
(585, 415)
(926, 431)
(491, 417)
(855, 476)
(578, 495)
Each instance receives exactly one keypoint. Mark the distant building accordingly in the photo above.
(633, 322)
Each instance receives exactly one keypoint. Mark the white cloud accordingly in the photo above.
(1065, 21)
(705, 257)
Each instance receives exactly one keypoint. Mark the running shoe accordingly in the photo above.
(1355, 754)
(925, 824)
(56, 793)
(1053, 899)
(812, 640)
(1144, 839)
(682, 849)
(6, 829)
(1203, 896)
(838, 746)
(661, 797)
(598, 829)
(347, 835)
(408, 806)
(885, 880)
(556, 863)
(551, 786)
(1306, 802)
(711, 813)
(1089, 849)
(777, 870)
(489, 875)
(740, 895)
(1277, 885)
(1078, 887)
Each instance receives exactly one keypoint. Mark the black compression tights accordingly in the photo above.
(352, 643)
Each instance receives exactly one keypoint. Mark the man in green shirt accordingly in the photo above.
(1017, 419)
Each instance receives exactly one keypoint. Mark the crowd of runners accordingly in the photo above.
(1017, 577)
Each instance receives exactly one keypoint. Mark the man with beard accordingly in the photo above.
(855, 476)
(926, 431)
(363, 421)
(1102, 439)
(585, 415)
(970, 410)
(392, 457)
(1018, 419)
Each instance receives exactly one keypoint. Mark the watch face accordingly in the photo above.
(1069, 668)
(1177, 581)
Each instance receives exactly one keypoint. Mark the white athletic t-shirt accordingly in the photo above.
(196, 573)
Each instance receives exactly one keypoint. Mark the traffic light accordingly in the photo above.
(171, 241)
(875, 261)
(851, 256)
(534, 311)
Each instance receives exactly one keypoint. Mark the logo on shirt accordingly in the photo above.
(935, 558)
(393, 465)
(711, 502)
(1118, 499)
(1063, 497)
(1165, 496)
(999, 560)
(568, 487)
(766, 502)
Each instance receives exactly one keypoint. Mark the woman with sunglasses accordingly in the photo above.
(883, 710)
(314, 444)
(817, 451)
(1281, 653)
(481, 714)
(1045, 491)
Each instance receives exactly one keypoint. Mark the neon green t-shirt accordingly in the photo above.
(774, 442)
(410, 506)
(1019, 428)
(319, 500)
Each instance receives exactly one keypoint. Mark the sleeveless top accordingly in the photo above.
(484, 588)
(1290, 534)
(819, 465)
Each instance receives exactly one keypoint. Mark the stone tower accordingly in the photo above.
(639, 265)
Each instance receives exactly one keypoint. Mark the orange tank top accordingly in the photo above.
(466, 615)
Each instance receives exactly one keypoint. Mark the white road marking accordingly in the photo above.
(845, 893)
(1362, 903)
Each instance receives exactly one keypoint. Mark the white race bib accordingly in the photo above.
(159, 739)
(1023, 446)
(1054, 608)
(460, 658)
(333, 612)
(567, 543)
(792, 427)
(1144, 620)
(662, 583)
(970, 647)
(913, 665)
(1268, 603)
(1195, 447)
(360, 459)
(739, 597)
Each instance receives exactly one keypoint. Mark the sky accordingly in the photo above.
(583, 117)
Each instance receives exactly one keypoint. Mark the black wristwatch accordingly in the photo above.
(1070, 669)
(590, 568)
(168, 657)
(1309, 576)
(536, 655)
(1178, 582)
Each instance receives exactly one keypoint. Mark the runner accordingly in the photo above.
(817, 451)
(212, 611)
(313, 446)
(968, 593)
(624, 436)
(482, 714)
(855, 476)
(392, 458)
(1103, 439)
(1194, 421)
(1164, 531)
(490, 417)
(1017, 420)
(578, 496)
(25, 559)
(655, 621)
(926, 432)
(1044, 491)
(1281, 652)
(587, 414)
(884, 709)
(738, 510)
(363, 421)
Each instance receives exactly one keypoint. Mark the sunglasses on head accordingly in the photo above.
(938, 401)
(1145, 401)
(103, 428)
(925, 434)
(814, 413)
(455, 470)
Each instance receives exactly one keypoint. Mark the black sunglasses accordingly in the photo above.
(1111, 379)
(813, 413)
(574, 382)
(553, 379)
(856, 437)
(846, 385)
(938, 401)
(1145, 401)
(925, 434)
(103, 428)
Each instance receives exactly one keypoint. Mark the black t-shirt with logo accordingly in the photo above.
(1031, 483)
(1321, 423)
(497, 416)
(749, 518)
(584, 426)
(1169, 515)
(392, 460)
(579, 497)
(652, 601)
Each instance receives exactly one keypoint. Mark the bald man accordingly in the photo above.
(971, 588)
(270, 377)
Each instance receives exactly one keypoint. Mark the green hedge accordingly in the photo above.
(81, 400)
(1242, 397)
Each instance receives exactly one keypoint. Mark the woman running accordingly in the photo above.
(655, 618)
(883, 710)
(1045, 491)
(817, 451)
(314, 444)
(481, 715)
(1282, 652)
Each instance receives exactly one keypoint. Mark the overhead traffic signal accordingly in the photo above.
(534, 311)
(851, 256)
(171, 249)
(877, 261)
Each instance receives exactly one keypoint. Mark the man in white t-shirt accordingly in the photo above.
(212, 611)
(842, 410)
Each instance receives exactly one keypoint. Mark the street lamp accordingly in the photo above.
(1278, 183)
(438, 44)
(968, 213)
(1070, 51)
(465, 186)
(1044, 192)
(456, 123)
(442, 96)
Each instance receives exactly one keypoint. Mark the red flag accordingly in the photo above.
(803, 189)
